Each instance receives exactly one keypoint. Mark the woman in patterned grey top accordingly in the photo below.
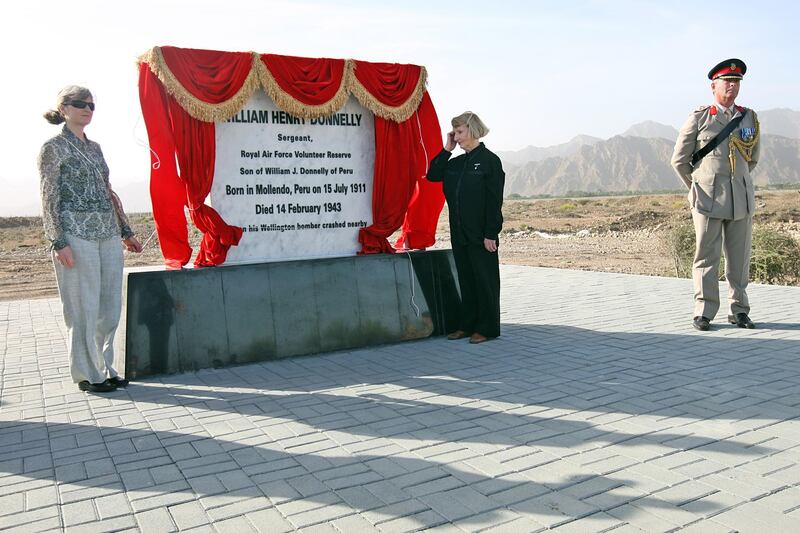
(83, 219)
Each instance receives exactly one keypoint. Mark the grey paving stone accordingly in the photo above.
(553, 509)
(112, 506)
(585, 420)
(78, 513)
(269, 521)
(591, 524)
(396, 510)
(12, 503)
(120, 523)
(423, 520)
(352, 524)
(237, 524)
(105, 486)
(713, 504)
(642, 519)
(165, 496)
(188, 515)
(156, 520)
(755, 517)
(320, 515)
(517, 492)
(387, 491)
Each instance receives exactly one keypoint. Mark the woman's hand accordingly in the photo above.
(490, 245)
(64, 257)
(132, 244)
(451, 141)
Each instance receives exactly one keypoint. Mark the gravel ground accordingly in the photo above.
(610, 234)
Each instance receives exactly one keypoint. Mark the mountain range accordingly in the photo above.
(636, 160)
(639, 160)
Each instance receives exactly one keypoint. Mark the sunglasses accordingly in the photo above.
(80, 104)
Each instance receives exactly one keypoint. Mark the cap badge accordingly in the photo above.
(733, 67)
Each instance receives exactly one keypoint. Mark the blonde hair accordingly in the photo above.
(473, 123)
(65, 95)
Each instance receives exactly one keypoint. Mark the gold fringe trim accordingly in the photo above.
(260, 74)
(197, 108)
(295, 107)
(398, 114)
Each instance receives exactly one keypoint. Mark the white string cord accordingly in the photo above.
(157, 163)
(411, 280)
(148, 240)
(419, 127)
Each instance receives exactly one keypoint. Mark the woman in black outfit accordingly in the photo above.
(473, 187)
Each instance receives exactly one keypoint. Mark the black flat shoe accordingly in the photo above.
(741, 320)
(105, 386)
(118, 382)
(701, 323)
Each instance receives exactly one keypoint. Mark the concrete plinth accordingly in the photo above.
(177, 321)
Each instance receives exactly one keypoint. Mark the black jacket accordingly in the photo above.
(473, 187)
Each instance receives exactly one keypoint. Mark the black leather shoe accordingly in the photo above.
(105, 386)
(701, 323)
(741, 320)
(118, 382)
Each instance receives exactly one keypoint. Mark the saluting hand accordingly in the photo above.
(451, 141)
(490, 245)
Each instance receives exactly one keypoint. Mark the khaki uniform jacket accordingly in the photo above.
(713, 191)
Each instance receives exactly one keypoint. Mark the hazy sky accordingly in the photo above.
(537, 72)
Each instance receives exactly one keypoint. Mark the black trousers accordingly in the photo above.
(479, 280)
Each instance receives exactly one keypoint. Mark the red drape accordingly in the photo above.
(212, 77)
(311, 81)
(399, 153)
(419, 227)
(209, 77)
(196, 152)
(167, 191)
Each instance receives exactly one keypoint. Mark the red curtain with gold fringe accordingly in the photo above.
(184, 91)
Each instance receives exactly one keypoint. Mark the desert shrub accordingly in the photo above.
(567, 207)
(775, 256)
(680, 243)
(655, 203)
(678, 204)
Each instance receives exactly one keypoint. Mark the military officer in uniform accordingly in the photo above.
(721, 193)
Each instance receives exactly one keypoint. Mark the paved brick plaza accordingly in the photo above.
(599, 409)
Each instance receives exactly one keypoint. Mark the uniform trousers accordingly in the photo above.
(91, 296)
(479, 281)
(713, 235)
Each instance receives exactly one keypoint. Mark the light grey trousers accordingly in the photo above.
(91, 295)
(714, 234)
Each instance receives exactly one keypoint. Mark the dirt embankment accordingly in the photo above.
(610, 234)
